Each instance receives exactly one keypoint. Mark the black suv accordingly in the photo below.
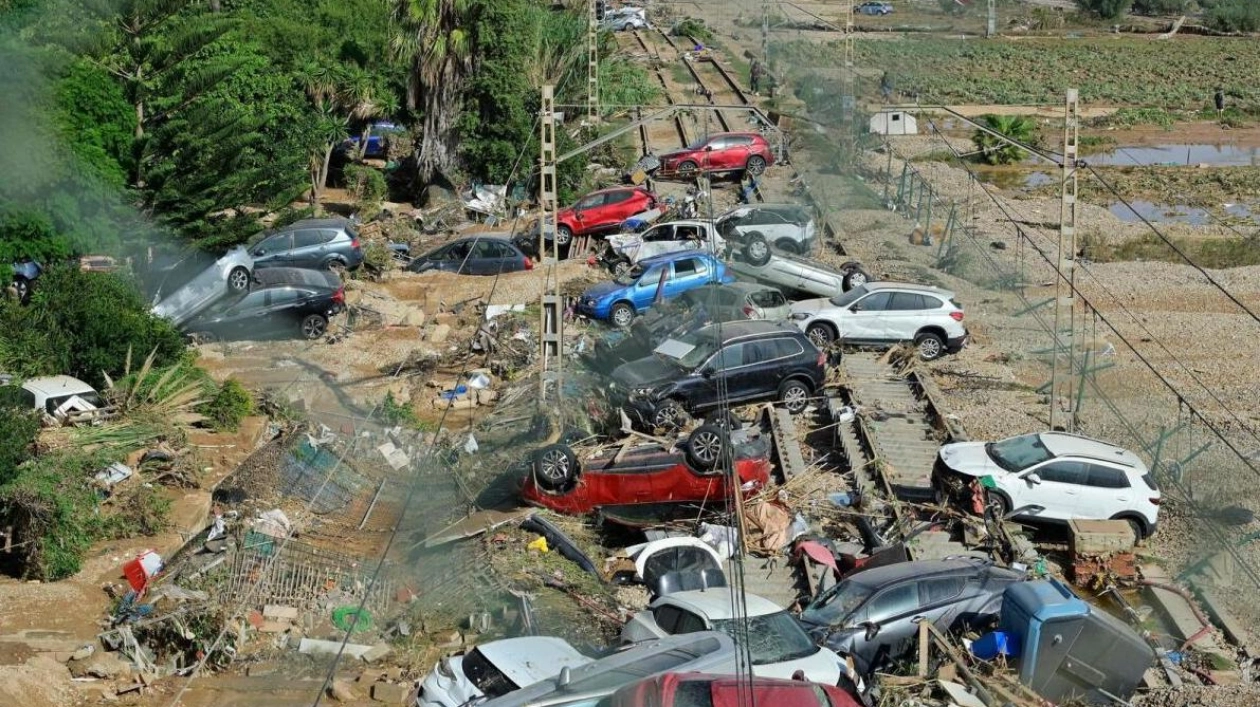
(734, 362)
(282, 299)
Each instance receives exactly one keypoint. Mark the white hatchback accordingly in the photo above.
(1055, 476)
(885, 314)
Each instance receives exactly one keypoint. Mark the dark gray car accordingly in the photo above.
(324, 243)
(474, 255)
(873, 615)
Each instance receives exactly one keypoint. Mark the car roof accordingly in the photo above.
(1063, 444)
(627, 187)
(57, 385)
(890, 574)
(482, 237)
(718, 603)
(276, 277)
(740, 329)
(316, 223)
(882, 285)
(528, 659)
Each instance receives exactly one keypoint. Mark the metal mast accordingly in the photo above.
(592, 65)
(990, 28)
(1065, 282)
(848, 97)
(552, 315)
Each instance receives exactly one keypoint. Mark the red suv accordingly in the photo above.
(720, 152)
(602, 211)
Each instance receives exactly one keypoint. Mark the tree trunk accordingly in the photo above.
(437, 143)
(323, 170)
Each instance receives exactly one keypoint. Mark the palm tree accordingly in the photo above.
(434, 38)
(994, 149)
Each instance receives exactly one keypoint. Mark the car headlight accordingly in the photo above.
(800, 316)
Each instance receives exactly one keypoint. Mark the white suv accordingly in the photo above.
(883, 314)
(1054, 476)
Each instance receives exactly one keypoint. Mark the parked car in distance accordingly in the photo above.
(872, 615)
(589, 684)
(474, 255)
(284, 300)
(61, 399)
(720, 152)
(705, 690)
(790, 228)
(323, 243)
(1055, 476)
(645, 475)
(601, 212)
(874, 8)
(734, 363)
(496, 668)
(623, 250)
(622, 299)
(778, 645)
(886, 314)
(378, 135)
(624, 18)
(230, 274)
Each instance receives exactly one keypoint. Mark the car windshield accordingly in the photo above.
(1018, 453)
(90, 397)
(689, 351)
(836, 604)
(698, 143)
(632, 276)
(482, 673)
(772, 638)
(850, 297)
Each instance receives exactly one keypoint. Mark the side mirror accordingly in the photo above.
(872, 629)
(857, 307)
(1032, 477)
(708, 148)
(260, 251)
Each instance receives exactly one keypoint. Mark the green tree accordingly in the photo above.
(994, 149)
(1106, 9)
(341, 94)
(1160, 7)
(18, 427)
(433, 38)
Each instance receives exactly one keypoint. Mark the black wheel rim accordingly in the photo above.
(707, 447)
(668, 416)
(313, 328)
(554, 465)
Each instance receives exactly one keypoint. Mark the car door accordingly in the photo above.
(273, 250)
(309, 247)
(862, 321)
(890, 610)
(762, 371)
(586, 212)
(711, 153)
(644, 291)
(654, 241)
(720, 372)
(1058, 489)
(738, 148)
(688, 273)
(482, 259)
(903, 316)
(248, 314)
(1106, 492)
(616, 208)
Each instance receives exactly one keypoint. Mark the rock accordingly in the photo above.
(107, 666)
(341, 691)
(439, 333)
(83, 653)
(377, 653)
(389, 693)
(486, 396)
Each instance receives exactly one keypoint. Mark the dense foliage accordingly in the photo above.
(991, 145)
(1232, 15)
(18, 427)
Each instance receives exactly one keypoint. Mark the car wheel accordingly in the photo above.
(756, 249)
(621, 267)
(670, 415)
(622, 314)
(314, 326)
(564, 235)
(789, 246)
(822, 335)
(794, 395)
(705, 447)
(998, 503)
(688, 169)
(556, 467)
(755, 165)
(855, 278)
(335, 266)
(238, 280)
(930, 346)
(1139, 532)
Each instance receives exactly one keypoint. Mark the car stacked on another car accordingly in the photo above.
(662, 277)
(231, 274)
(597, 213)
(624, 250)
(720, 152)
(718, 365)
(325, 244)
(1054, 476)
(790, 228)
(886, 314)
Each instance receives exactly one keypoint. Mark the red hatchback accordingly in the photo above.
(646, 475)
(720, 152)
(602, 211)
(701, 690)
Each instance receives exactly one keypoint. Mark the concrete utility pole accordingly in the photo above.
(551, 329)
(990, 29)
(592, 65)
(1065, 280)
(765, 32)
(848, 94)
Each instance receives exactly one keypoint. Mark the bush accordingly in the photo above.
(231, 404)
(1234, 16)
(52, 509)
(366, 186)
(82, 324)
(18, 428)
(1106, 9)
(694, 28)
(1160, 7)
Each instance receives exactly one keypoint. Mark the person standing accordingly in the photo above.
(1219, 100)
(756, 73)
(886, 87)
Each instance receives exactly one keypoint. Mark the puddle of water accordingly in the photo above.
(1180, 154)
(1178, 213)
(1014, 178)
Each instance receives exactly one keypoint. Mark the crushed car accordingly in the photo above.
(622, 251)
(790, 228)
(62, 399)
(496, 668)
(757, 259)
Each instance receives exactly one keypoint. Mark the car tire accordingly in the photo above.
(238, 279)
(789, 246)
(335, 266)
(821, 334)
(620, 267)
(755, 165)
(855, 278)
(314, 326)
(1139, 530)
(794, 395)
(687, 169)
(622, 314)
(564, 235)
(756, 249)
(998, 502)
(929, 346)
(670, 415)
(556, 468)
(706, 447)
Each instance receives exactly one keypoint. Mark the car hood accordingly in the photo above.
(603, 289)
(811, 306)
(648, 371)
(823, 666)
(969, 458)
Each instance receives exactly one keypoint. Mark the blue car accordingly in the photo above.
(376, 138)
(620, 300)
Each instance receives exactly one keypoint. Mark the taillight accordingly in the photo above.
(339, 296)
(354, 244)
(1155, 501)
(750, 312)
(529, 264)
(822, 359)
(956, 315)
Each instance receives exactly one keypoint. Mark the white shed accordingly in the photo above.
(894, 122)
